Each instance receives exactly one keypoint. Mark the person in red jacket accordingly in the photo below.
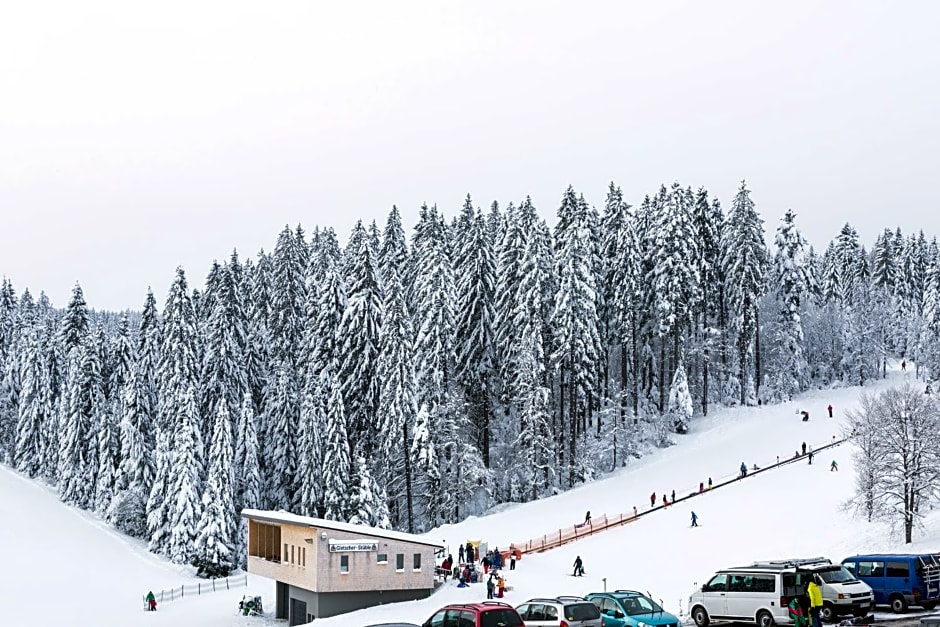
(830, 410)
(653, 499)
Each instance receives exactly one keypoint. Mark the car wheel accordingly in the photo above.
(898, 604)
(700, 616)
(765, 619)
(826, 613)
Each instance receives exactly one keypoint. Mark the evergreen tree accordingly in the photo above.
(216, 541)
(474, 267)
(745, 258)
(427, 472)
(359, 334)
(184, 509)
(574, 320)
(27, 452)
(792, 286)
(178, 422)
(78, 460)
(336, 460)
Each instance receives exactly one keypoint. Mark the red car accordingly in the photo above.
(483, 614)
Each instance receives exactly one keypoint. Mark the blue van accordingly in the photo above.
(899, 580)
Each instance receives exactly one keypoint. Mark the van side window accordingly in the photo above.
(718, 583)
(764, 583)
(899, 569)
(871, 569)
(850, 566)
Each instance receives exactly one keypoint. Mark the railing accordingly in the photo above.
(199, 588)
(604, 522)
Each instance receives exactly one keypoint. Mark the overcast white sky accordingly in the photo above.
(135, 137)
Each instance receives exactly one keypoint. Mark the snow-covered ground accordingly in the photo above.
(61, 567)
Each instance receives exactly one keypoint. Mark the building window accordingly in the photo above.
(400, 561)
(381, 558)
(344, 563)
(286, 554)
(303, 556)
(263, 540)
(417, 565)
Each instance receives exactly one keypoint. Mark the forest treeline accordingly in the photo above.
(411, 381)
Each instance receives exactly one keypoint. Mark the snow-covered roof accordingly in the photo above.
(320, 523)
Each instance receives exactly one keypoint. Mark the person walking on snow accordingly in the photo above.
(743, 470)
(804, 448)
(833, 466)
(587, 517)
(578, 567)
(653, 499)
(709, 483)
(151, 602)
(460, 554)
(665, 500)
(490, 586)
(673, 496)
(903, 366)
(694, 520)
(810, 456)
(701, 487)
(830, 410)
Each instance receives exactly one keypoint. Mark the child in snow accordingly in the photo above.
(500, 586)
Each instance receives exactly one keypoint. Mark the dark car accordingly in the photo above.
(483, 614)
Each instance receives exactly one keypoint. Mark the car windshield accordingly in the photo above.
(582, 611)
(500, 618)
(836, 575)
(640, 604)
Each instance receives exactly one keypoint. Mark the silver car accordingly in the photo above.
(560, 611)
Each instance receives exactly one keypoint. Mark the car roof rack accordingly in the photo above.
(626, 592)
(782, 564)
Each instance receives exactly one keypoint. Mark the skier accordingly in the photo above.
(151, 601)
(694, 519)
(815, 600)
(830, 410)
(833, 466)
(653, 499)
(578, 567)
(804, 448)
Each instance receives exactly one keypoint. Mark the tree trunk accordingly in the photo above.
(409, 496)
(573, 429)
(757, 364)
(623, 383)
(485, 410)
(662, 376)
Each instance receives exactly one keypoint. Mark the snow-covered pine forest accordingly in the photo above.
(410, 383)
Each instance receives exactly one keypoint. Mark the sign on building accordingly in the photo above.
(350, 546)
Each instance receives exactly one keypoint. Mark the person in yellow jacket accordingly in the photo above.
(814, 591)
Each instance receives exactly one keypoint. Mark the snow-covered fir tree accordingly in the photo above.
(215, 543)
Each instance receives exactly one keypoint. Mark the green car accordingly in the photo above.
(628, 608)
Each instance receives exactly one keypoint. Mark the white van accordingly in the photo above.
(759, 593)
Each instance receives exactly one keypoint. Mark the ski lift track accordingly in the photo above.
(603, 523)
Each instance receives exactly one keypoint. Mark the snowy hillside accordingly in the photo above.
(62, 567)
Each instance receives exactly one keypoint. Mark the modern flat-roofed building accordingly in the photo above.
(324, 568)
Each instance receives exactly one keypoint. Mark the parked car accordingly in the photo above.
(483, 614)
(759, 593)
(629, 608)
(561, 611)
(899, 580)
(393, 625)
